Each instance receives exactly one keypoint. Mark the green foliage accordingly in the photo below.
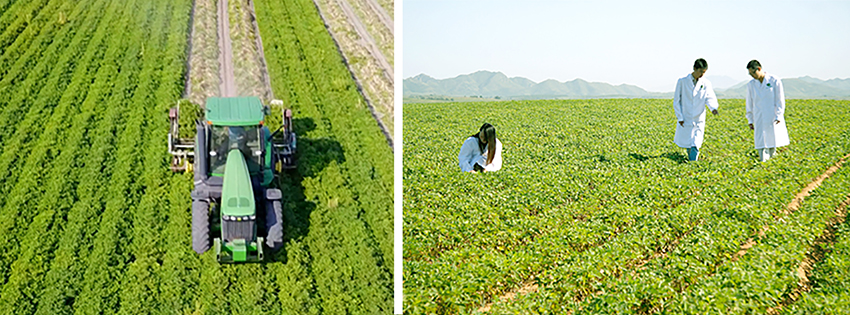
(340, 204)
(94, 222)
(597, 205)
(189, 114)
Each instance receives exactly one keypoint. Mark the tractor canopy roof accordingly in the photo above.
(234, 111)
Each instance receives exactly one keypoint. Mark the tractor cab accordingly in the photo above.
(235, 159)
(236, 123)
(247, 139)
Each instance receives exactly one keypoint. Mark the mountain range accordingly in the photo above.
(497, 84)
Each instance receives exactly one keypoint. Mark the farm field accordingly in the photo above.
(597, 211)
(93, 221)
(364, 32)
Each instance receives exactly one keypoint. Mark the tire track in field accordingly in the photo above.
(228, 85)
(258, 41)
(368, 41)
(814, 255)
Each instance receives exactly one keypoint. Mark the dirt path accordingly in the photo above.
(791, 207)
(228, 84)
(525, 288)
(815, 255)
(369, 77)
(368, 41)
(382, 14)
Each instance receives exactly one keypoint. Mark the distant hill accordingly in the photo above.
(493, 84)
(803, 87)
(488, 84)
(721, 81)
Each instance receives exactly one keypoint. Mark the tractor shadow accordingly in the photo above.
(673, 156)
(312, 156)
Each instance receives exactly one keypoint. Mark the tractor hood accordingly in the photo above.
(237, 194)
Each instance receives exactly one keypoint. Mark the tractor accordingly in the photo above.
(237, 163)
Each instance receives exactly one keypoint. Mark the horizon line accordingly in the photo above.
(535, 82)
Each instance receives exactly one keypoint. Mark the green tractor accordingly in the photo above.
(236, 205)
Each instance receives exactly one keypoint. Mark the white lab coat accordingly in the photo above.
(766, 104)
(689, 102)
(470, 154)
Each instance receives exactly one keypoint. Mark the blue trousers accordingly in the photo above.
(693, 153)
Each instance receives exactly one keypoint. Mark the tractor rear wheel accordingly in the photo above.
(200, 226)
(274, 225)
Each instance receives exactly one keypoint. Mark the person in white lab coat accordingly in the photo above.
(481, 152)
(766, 111)
(693, 93)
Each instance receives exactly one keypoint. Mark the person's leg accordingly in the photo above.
(693, 153)
(762, 154)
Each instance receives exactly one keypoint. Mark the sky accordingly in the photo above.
(645, 43)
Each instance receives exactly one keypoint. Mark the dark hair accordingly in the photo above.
(753, 64)
(700, 64)
(490, 140)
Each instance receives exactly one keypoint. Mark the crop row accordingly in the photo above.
(21, 98)
(339, 204)
(726, 216)
(830, 278)
(73, 252)
(503, 229)
(27, 153)
(23, 17)
(582, 209)
(93, 221)
(767, 273)
(736, 210)
(63, 146)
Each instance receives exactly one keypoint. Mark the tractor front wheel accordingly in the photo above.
(274, 225)
(200, 226)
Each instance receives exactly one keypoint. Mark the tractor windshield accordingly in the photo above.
(244, 138)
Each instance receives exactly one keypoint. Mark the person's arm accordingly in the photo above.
(750, 101)
(779, 102)
(677, 103)
(711, 98)
(497, 159)
(465, 156)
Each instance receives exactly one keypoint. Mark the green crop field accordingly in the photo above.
(92, 220)
(597, 211)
